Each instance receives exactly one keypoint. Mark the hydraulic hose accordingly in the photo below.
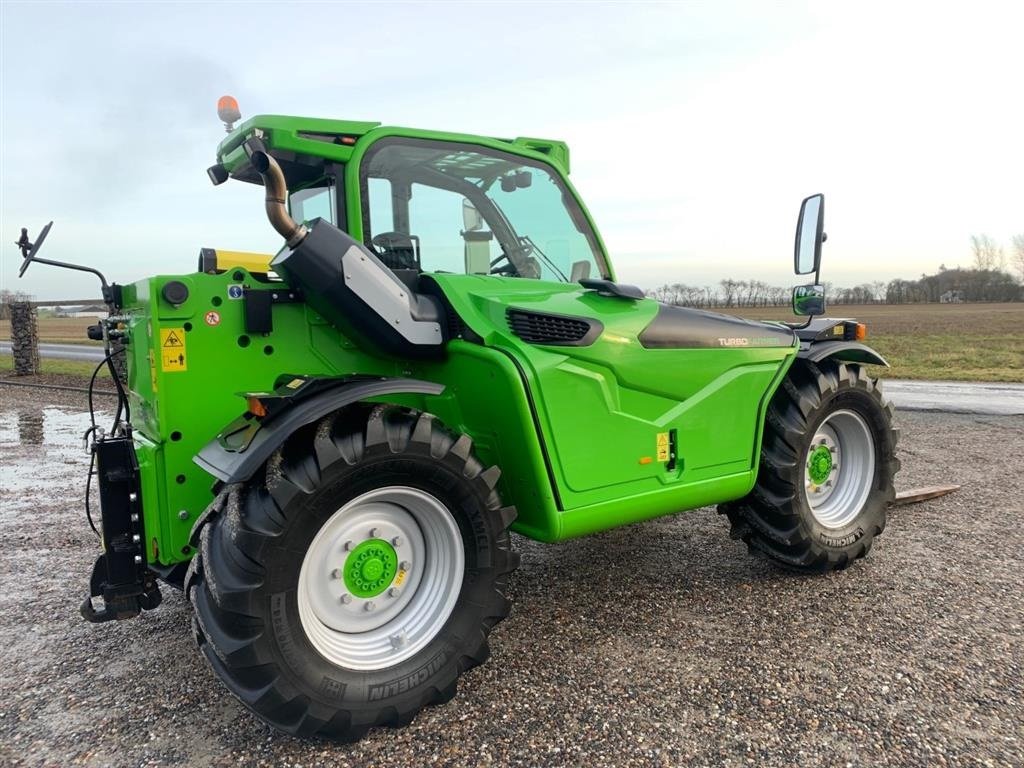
(277, 194)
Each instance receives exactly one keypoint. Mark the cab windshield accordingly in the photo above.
(443, 207)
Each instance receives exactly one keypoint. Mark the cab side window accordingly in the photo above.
(380, 208)
(315, 201)
(435, 215)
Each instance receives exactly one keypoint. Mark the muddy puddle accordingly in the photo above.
(42, 455)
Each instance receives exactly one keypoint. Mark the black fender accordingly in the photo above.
(851, 351)
(246, 444)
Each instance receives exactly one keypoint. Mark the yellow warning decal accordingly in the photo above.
(172, 350)
(399, 578)
(663, 446)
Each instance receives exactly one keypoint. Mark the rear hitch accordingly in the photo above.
(120, 575)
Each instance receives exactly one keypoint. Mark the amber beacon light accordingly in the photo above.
(227, 111)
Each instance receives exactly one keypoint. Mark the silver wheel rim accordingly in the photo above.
(383, 630)
(838, 500)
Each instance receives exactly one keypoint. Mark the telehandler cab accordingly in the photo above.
(328, 448)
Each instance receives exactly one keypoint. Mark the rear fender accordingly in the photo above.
(847, 351)
(245, 445)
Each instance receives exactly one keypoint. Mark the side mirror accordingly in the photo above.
(471, 218)
(810, 235)
(809, 300)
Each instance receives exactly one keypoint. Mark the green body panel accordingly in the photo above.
(602, 407)
(579, 432)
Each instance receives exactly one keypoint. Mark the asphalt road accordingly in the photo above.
(63, 351)
(956, 396)
(660, 644)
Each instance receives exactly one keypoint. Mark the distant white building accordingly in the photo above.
(79, 311)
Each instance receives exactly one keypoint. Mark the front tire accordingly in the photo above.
(352, 583)
(825, 481)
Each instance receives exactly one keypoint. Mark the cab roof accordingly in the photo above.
(296, 141)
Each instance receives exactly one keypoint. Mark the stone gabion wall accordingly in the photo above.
(24, 338)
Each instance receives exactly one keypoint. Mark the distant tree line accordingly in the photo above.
(757, 293)
(8, 296)
(989, 280)
(955, 285)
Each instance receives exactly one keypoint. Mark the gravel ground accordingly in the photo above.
(657, 644)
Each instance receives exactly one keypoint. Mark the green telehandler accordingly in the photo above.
(327, 448)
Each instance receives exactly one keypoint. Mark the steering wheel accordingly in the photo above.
(396, 249)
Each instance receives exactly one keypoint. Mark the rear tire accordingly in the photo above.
(288, 634)
(828, 460)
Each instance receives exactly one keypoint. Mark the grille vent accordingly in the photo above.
(456, 328)
(536, 328)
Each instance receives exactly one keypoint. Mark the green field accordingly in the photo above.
(958, 342)
(955, 342)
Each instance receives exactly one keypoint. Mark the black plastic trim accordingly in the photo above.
(593, 328)
(688, 328)
(608, 288)
(238, 466)
(842, 350)
(817, 329)
(314, 266)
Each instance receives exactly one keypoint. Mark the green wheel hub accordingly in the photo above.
(370, 567)
(819, 465)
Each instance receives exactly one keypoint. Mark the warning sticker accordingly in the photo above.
(663, 446)
(172, 350)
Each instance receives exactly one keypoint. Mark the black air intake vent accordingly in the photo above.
(537, 328)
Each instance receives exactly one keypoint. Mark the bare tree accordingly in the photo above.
(729, 291)
(7, 297)
(1018, 255)
(987, 253)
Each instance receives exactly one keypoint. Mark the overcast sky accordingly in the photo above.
(695, 128)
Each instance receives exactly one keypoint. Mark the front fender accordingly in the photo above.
(851, 351)
(236, 463)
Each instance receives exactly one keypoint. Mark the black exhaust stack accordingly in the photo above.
(345, 282)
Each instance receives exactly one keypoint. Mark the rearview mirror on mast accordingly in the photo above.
(810, 235)
(809, 300)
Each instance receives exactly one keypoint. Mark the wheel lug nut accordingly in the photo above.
(397, 541)
(347, 546)
(394, 592)
(336, 573)
(397, 641)
(346, 599)
(374, 532)
(405, 565)
(369, 606)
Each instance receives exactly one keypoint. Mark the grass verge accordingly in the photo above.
(81, 368)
